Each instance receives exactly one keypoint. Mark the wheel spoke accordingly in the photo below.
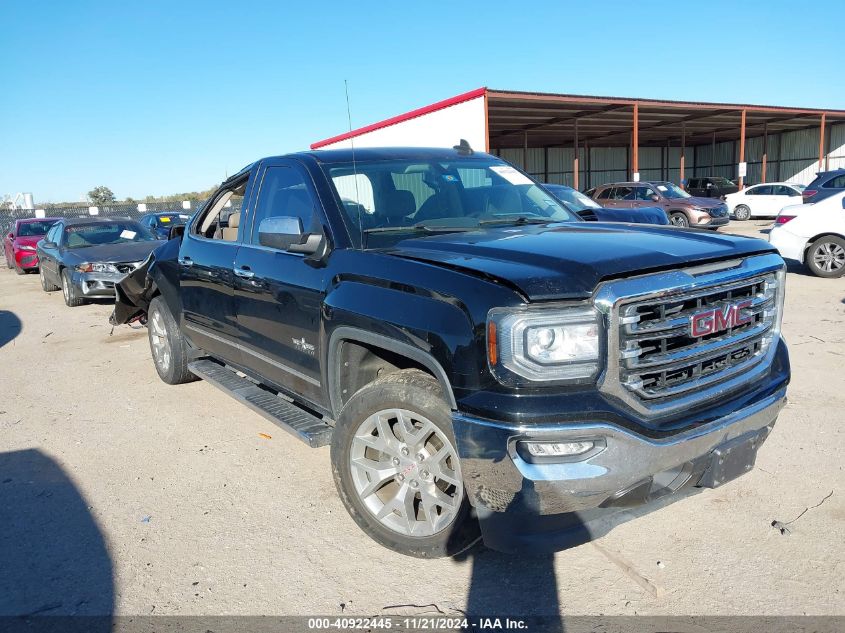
(378, 473)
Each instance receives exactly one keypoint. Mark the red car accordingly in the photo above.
(19, 245)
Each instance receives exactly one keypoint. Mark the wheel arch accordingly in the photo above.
(392, 348)
(814, 239)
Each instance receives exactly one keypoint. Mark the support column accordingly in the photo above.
(712, 154)
(546, 163)
(742, 147)
(821, 142)
(525, 152)
(765, 150)
(683, 152)
(635, 142)
(588, 173)
(575, 159)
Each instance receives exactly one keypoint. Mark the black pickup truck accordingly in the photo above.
(483, 363)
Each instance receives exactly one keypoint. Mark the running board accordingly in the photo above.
(299, 423)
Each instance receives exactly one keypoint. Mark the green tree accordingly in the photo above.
(101, 195)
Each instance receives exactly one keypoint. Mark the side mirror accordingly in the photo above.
(654, 197)
(177, 230)
(285, 233)
(11, 236)
(709, 185)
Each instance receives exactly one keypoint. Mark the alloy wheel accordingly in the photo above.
(406, 472)
(158, 341)
(679, 220)
(829, 257)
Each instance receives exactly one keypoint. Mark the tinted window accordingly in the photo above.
(835, 183)
(645, 193)
(764, 190)
(34, 229)
(284, 193)
(694, 183)
(604, 194)
(783, 190)
(623, 193)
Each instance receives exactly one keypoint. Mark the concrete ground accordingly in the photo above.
(120, 494)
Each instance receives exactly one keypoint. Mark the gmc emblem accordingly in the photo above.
(718, 319)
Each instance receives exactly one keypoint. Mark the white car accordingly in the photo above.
(763, 200)
(813, 234)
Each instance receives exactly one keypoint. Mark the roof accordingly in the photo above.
(549, 119)
(95, 219)
(28, 220)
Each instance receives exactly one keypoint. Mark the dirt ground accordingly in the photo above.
(120, 494)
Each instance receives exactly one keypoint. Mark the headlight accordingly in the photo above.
(775, 288)
(24, 247)
(544, 345)
(96, 268)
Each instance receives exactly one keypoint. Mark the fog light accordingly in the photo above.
(558, 449)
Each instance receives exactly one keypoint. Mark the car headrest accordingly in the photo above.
(235, 220)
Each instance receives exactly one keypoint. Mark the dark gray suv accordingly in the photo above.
(826, 184)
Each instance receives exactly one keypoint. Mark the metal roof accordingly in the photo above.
(549, 119)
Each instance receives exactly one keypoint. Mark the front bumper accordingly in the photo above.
(27, 260)
(526, 506)
(96, 285)
(710, 222)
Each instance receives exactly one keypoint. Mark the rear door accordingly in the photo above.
(206, 262)
(785, 196)
(279, 295)
(622, 197)
(762, 201)
(642, 197)
(48, 259)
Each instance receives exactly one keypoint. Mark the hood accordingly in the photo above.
(696, 201)
(28, 240)
(112, 253)
(560, 261)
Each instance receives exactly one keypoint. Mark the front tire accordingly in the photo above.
(742, 213)
(826, 257)
(72, 298)
(678, 219)
(46, 286)
(396, 467)
(167, 344)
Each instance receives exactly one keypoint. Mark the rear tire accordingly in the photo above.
(46, 286)
(742, 213)
(167, 344)
(72, 299)
(676, 218)
(826, 257)
(396, 467)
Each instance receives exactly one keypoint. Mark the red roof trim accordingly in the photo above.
(413, 114)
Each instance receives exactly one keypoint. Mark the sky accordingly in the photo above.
(161, 97)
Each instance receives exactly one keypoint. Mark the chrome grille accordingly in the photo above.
(657, 364)
(660, 355)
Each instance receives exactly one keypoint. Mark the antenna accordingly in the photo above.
(354, 166)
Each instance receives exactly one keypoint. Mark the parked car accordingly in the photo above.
(826, 184)
(19, 243)
(86, 256)
(159, 224)
(711, 187)
(683, 209)
(470, 344)
(813, 234)
(589, 209)
(763, 200)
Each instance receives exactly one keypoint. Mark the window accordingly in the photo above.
(284, 193)
(221, 217)
(783, 190)
(623, 193)
(604, 194)
(835, 183)
(645, 193)
(694, 183)
(762, 190)
(53, 234)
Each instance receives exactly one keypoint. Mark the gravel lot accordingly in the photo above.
(120, 494)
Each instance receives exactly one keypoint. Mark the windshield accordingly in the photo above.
(573, 198)
(34, 229)
(671, 191)
(400, 196)
(177, 219)
(99, 233)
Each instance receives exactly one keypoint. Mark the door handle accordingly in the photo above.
(244, 272)
(186, 261)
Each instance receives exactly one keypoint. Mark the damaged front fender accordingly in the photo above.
(159, 274)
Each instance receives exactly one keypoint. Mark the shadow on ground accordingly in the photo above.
(53, 557)
(10, 327)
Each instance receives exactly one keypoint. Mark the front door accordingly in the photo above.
(278, 294)
(206, 262)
